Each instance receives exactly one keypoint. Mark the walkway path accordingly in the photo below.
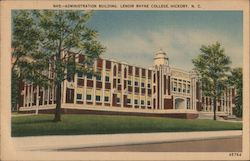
(49, 143)
(209, 145)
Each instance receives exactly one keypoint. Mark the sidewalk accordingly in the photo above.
(49, 143)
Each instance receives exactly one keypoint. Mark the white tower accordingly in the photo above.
(162, 75)
(161, 59)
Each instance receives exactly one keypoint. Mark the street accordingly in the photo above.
(233, 144)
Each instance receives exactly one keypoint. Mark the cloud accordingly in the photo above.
(180, 45)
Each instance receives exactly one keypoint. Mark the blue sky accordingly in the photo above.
(134, 36)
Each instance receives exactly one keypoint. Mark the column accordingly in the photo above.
(49, 74)
(212, 104)
(174, 102)
(31, 94)
(85, 88)
(28, 100)
(230, 99)
(103, 80)
(156, 88)
(194, 93)
(111, 84)
(75, 88)
(152, 94)
(139, 83)
(43, 96)
(122, 84)
(146, 89)
(24, 95)
(64, 85)
(64, 91)
(162, 87)
(225, 99)
(53, 93)
(37, 98)
(133, 85)
(94, 83)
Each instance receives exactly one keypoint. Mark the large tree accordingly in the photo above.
(25, 41)
(212, 66)
(235, 80)
(63, 36)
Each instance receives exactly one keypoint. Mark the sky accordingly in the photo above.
(134, 36)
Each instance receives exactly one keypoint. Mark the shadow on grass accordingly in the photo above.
(34, 122)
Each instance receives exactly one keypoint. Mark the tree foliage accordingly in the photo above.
(235, 79)
(212, 66)
(25, 42)
(52, 43)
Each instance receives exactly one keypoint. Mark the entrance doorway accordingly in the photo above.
(180, 103)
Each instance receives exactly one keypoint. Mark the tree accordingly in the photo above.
(14, 90)
(63, 36)
(212, 66)
(25, 36)
(235, 80)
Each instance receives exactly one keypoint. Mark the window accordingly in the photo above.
(149, 103)
(184, 88)
(129, 82)
(89, 97)
(80, 82)
(179, 89)
(119, 81)
(107, 79)
(106, 99)
(128, 101)
(188, 103)
(99, 78)
(142, 85)
(136, 83)
(149, 85)
(188, 90)
(89, 76)
(142, 102)
(98, 98)
(80, 74)
(174, 88)
(135, 102)
(79, 96)
(118, 100)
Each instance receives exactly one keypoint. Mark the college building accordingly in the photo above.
(131, 90)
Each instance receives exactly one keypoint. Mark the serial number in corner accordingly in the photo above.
(235, 154)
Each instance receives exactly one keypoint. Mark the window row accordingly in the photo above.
(107, 99)
(89, 98)
(129, 83)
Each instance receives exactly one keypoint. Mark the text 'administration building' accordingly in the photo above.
(127, 89)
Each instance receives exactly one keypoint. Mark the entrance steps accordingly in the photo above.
(209, 116)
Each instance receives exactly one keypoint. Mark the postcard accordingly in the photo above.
(125, 80)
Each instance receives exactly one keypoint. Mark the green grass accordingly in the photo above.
(105, 124)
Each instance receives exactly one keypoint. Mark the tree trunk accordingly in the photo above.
(57, 117)
(214, 108)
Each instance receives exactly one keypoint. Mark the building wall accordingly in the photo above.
(130, 88)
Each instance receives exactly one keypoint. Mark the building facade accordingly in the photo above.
(123, 88)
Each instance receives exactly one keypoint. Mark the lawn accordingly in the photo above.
(104, 124)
